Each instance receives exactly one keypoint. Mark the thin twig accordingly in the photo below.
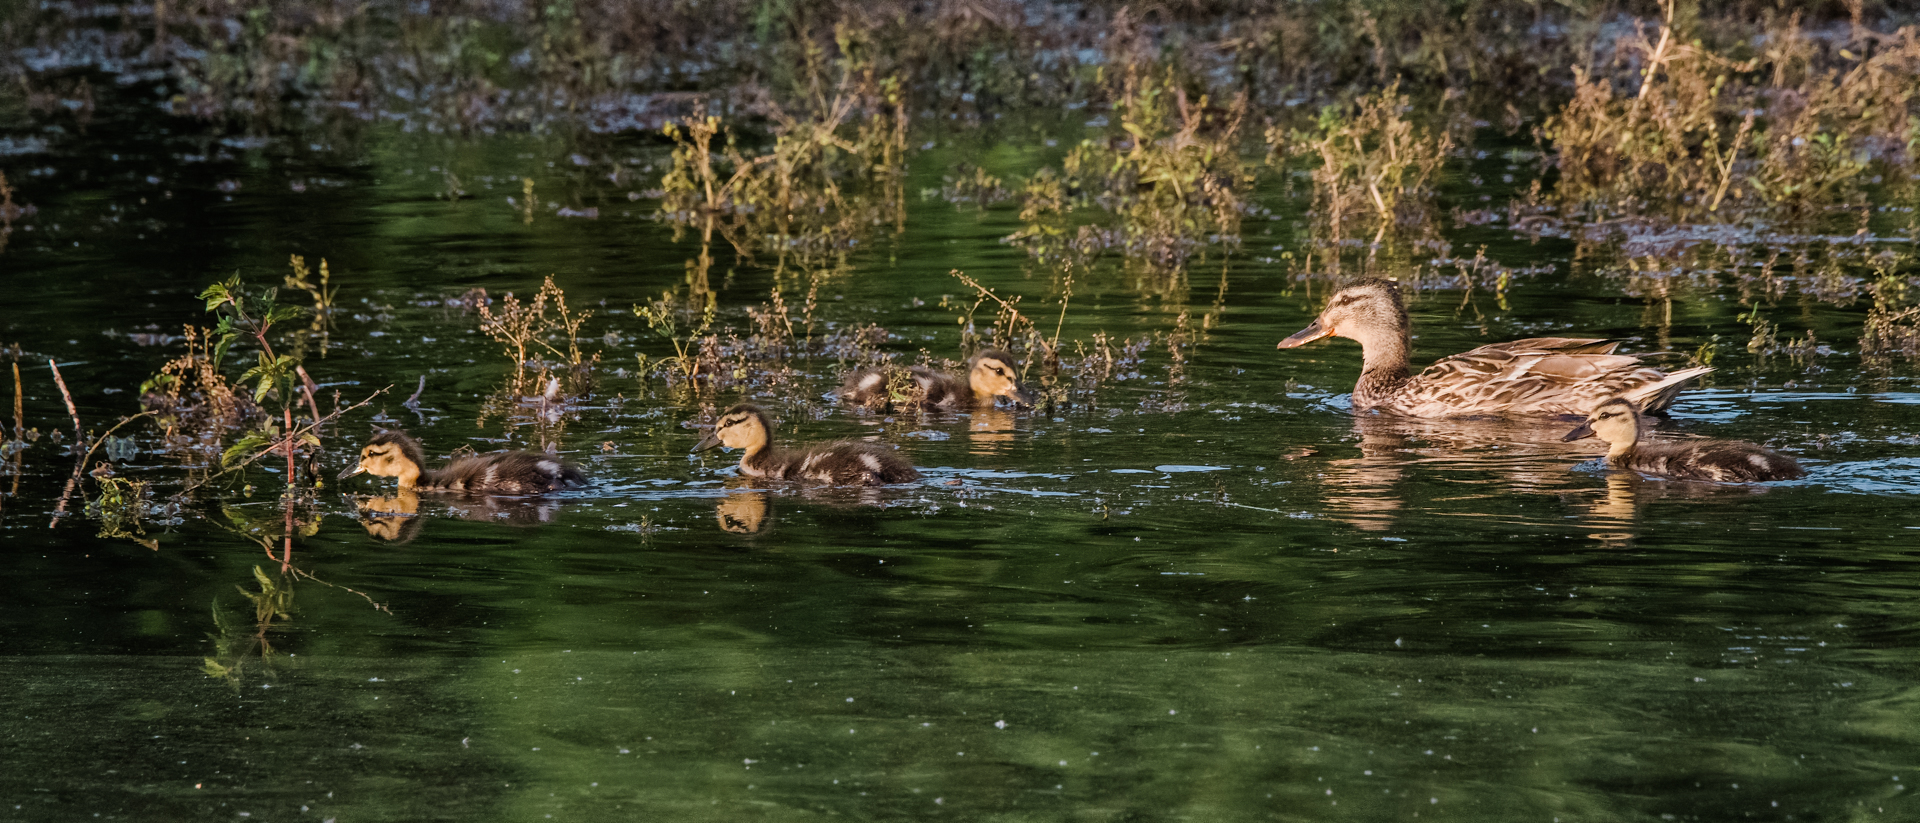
(19, 405)
(78, 433)
(299, 572)
(414, 401)
(308, 384)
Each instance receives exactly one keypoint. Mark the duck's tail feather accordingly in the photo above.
(1655, 397)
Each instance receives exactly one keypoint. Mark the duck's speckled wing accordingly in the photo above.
(1536, 376)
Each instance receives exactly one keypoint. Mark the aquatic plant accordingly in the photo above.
(121, 507)
(519, 327)
(1167, 177)
(195, 404)
(1788, 129)
(1375, 166)
(323, 294)
(832, 173)
(663, 319)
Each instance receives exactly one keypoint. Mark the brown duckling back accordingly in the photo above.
(846, 463)
(395, 454)
(990, 374)
(1721, 461)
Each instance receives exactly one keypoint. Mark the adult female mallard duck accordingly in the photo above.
(394, 454)
(846, 463)
(1722, 461)
(990, 374)
(1535, 376)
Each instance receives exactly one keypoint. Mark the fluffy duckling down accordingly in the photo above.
(846, 463)
(395, 454)
(990, 374)
(1722, 461)
(1536, 376)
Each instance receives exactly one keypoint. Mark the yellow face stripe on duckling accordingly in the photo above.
(738, 429)
(995, 376)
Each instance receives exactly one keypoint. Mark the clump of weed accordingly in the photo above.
(543, 323)
(1168, 176)
(122, 507)
(196, 406)
(1893, 322)
(1374, 167)
(665, 318)
(834, 169)
(323, 294)
(1703, 135)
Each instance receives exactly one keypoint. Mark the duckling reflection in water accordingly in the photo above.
(397, 519)
(391, 519)
(990, 374)
(1721, 461)
(742, 512)
(394, 454)
(846, 463)
(1535, 376)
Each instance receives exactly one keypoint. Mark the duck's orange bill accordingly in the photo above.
(1307, 335)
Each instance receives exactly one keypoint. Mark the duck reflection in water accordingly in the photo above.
(1482, 458)
(990, 428)
(743, 512)
(397, 519)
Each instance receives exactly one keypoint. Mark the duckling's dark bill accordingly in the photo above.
(1583, 432)
(708, 442)
(352, 470)
(1312, 332)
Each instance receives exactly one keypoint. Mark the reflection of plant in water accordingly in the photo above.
(240, 639)
(323, 296)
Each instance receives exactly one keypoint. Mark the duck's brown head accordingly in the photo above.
(994, 373)
(1615, 421)
(1369, 311)
(390, 454)
(742, 427)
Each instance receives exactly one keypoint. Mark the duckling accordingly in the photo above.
(990, 374)
(847, 463)
(1535, 376)
(394, 454)
(1721, 461)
